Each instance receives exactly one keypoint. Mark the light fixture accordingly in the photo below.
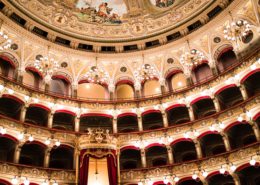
(145, 72)
(97, 75)
(31, 139)
(222, 170)
(52, 142)
(240, 119)
(46, 65)
(176, 179)
(2, 130)
(194, 176)
(5, 41)
(15, 180)
(166, 180)
(252, 162)
(20, 136)
(19, 179)
(26, 182)
(233, 168)
(192, 57)
(204, 173)
(236, 30)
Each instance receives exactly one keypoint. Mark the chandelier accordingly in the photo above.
(46, 65)
(145, 72)
(97, 75)
(236, 30)
(192, 57)
(5, 41)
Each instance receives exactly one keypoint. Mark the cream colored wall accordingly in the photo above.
(178, 81)
(89, 90)
(151, 87)
(124, 91)
(101, 165)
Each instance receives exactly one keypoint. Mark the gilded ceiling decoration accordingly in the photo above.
(113, 20)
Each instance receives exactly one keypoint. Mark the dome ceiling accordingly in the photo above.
(111, 20)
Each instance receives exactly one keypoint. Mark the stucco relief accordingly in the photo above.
(72, 17)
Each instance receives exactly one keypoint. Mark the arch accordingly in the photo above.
(66, 112)
(245, 77)
(124, 91)
(9, 137)
(62, 157)
(126, 114)
(160, 183)
(15, 98)
(222, 49)
(207, 133)
(150, 111)
(129, 148)
(10, 58)
(5, 182)
(59, 85)
(199, 98)
(40, 106)
(154, 144)
(174, 106)
(229, 126)
(7, 148)
(201, 73)
(96, 114)
(224, 88)
(180, 140)
(130, 158)
(37, 114)
(33, 69)
(32, 153)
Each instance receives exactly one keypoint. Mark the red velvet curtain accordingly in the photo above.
(83, 172)
(111, 165)
(112, 170)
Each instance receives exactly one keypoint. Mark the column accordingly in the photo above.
(216, 104)
(140, 123)
(46, 87)
(163, 89)
(191, 113)
(23, 113)
(76, 158)
(118, 167)
(198, 149)
(165, 119)
(256, 131)
(111, 95)
(74, 91)
(137, 94)
(170, 154)
(77, 121)
(243, 91)
(47, 158)
(50, 120)
(236, 179)
(143, 158)
(17, 153)
(226, 142)
(114, 125)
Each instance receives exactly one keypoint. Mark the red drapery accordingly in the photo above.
(111, 165)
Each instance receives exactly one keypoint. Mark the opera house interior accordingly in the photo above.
(129, 92)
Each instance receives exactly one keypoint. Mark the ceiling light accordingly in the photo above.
(97, 74)
(252, 162)
(222, 170)
(2, 131)
(6, 43)
(192, 57)
(146, 72)
(20, 136)
(236, 30)
(46, 65)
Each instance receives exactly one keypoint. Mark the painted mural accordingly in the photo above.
(96, 11)
(162, 3)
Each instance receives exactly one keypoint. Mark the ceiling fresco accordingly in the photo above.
(162, 3)
(110, 20)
